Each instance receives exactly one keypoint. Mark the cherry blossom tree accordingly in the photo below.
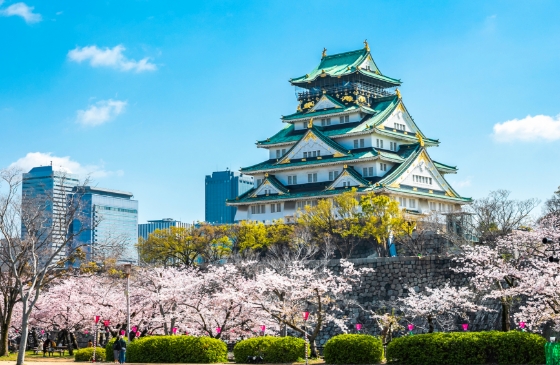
(440, 306)
(284, 296)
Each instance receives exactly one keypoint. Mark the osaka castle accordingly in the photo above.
(351, 129)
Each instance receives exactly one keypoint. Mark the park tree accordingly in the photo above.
(382, 220)
(285, 295)
(498, 215)
(173, 246)
(35, 246)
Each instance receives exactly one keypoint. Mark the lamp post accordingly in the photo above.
(127, 268)
(305, 317)
(96, 320)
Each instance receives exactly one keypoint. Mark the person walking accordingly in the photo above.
(117, 349)
(122, 354)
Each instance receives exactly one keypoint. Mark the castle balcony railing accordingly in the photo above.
(344, 89)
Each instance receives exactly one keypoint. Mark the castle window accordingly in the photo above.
(367, 172)
(333, 175)
(305, 155)
(400, 127)
(258, 209)
(347, 119)
(259, 181)
(432, 206)
(379, 143)
(362, 143)
(402, 202)
(283, 151)
(292, 180)
(383, 166)
(355, 143)
(412, 203)
(325, 122)
(393, 146)
(312, 177)
(277, 153)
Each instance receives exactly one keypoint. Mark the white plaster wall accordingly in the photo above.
(421, 171)
(399, 116)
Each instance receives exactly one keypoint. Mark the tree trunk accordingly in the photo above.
(505, 317)
(24, 333)
(430, 324)
(4, 339)
(69, 344)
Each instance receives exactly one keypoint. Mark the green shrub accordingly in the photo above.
(462, 348)
(353, 349)
(86, 354)
(176, 349)
(272, 349)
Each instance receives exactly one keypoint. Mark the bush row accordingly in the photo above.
(272, 349)
(173, 349)
(353, 349)
(458, 348)
(86, 354)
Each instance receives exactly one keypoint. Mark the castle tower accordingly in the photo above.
(351, 129)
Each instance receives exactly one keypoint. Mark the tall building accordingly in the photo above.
(351, 129)
(145, 229)
(108, 225)
(221, 186)
(46, 189)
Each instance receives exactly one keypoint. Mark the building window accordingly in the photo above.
(367, 172)
(303, 203)
(258, 209)
(393, 146)
(278, 207)
(277, 153)
(318, 153)
(355, 143)
(432, 206)
(379, 143)
(422, 179)
(400, 127)
(383, 166)
(312, 177)
(333, 175)
(412, 203)
(305, 155)
(362, 143)
(402, 202)
(292, 180)
(283, 151)
(346, 119)
(325, 122)
(259, 181)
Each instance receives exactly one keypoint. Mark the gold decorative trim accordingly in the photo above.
(398, 92)
(338, 154)
(308, 105)
(415, 189)
(431, 191)
(366, 45)
(304, 159)
(347, 98)
(319, 158)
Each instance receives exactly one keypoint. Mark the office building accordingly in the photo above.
(46, 189)
(108, 226)
(221, 186)
(145, 229)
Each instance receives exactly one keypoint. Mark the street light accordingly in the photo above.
(127, 269)
(305, 317)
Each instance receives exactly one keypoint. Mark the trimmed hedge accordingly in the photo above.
(176, 349)
(353, 349)
(272, 349)
(86, 354)
(466, 348)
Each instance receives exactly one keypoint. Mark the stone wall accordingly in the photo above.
(392, 279)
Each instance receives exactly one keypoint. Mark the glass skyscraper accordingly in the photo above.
(222, 185)
(145, 229)
(46, 189)
(109, 224)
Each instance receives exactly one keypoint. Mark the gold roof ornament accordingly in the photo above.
(366, 45)
(345, 166)
(324, 53)
(398, 92)
(266, 174)
(310, 123)
(323, 73)
(420, 139)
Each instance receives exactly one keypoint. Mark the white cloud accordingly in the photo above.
(110, 57)
(22, 10)
(102, 112)
(539, 127)
(463, 183)
(34, 159)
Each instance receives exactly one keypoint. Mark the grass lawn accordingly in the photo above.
(30, 356)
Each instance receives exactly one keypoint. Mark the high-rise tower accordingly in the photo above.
(351, 130)
(219, 187)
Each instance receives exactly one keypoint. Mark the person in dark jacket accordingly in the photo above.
(117, 349)
(122, 354)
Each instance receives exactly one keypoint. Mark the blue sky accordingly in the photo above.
(150, 96)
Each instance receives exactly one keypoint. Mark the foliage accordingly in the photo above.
(458, 348)
(172, 246)
(177, 349)
(353, 349)
(272, 349)
(86, 354)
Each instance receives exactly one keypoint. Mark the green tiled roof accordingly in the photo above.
(277, 184)
(302, 115)
(444, 167)
(355, 155)
(356, 175)
(421, 193)
(342, 64)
